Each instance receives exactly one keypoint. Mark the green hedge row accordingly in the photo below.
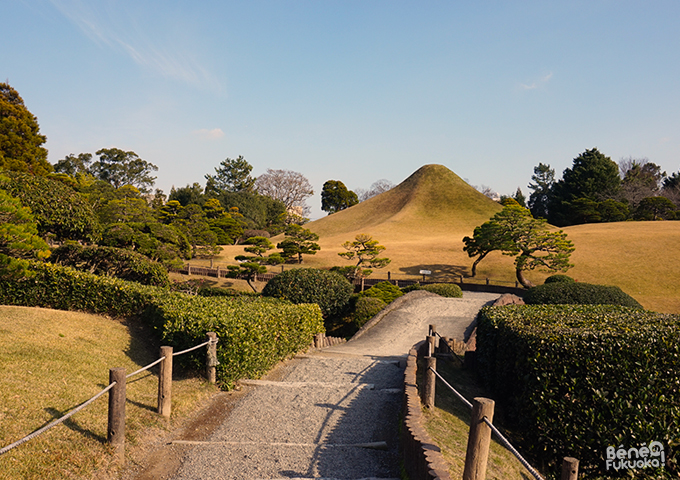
(577, 379)
(254, 333)
(565, 292)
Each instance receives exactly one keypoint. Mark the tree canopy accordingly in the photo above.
(364, 250)
(514, 232)
(336, 197)
(119, 168)
(21, 143)
(291, 188)
(298, 242)
(233, 175)
(593, 176)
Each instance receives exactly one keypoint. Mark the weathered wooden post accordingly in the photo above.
(479, 439)
(116, 427)
(433, 332)
(362, 284)
(430, 345)
(389, 276)
(430, 380)
(318, 340)
(569, 468)
(487, 280)
(165, 383)
(211, 361)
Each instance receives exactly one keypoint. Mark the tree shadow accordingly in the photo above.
(439, 271)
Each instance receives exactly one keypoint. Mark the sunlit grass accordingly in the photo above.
(51, 361)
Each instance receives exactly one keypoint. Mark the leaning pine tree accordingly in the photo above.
(515, 232)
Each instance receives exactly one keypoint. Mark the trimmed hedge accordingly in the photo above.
(385, 291)
(254, 333)
(578, 379)
(365, 309)
(328, 290)
(559, 278)
(449, 290)
(565, 293)
(112, 261)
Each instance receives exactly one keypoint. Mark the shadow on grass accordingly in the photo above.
(73, 425)
(439, 271)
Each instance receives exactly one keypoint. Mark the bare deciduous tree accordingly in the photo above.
(292, 188)
(376, 188)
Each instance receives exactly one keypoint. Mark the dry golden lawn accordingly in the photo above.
(423, 220)
(52, 361)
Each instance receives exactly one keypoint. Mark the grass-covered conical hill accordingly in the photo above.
(421, 222)
(433, 201)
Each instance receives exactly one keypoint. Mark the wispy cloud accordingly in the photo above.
(205, 134)
(108, 23)
(540, 82)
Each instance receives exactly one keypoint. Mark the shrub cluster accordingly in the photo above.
(444, 289)
(568, 293)
(579, 378)
(559, 278)
(111, 261)
(254, 332)
(385, 291)
(328, 290)
(366, 308)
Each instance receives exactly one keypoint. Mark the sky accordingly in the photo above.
(348, 90)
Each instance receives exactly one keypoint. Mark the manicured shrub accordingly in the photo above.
(578, 294)
(365, 309)
(254, 333)
(328, 290)
(580, 378)
(444, 290)
(385, 291)
(111, 261)
(559, 278)
(412, 287)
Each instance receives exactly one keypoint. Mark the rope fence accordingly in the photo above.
(117, 406)
(482, 414)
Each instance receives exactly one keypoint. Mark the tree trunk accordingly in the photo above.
(474, 265)
(251, 285)
(520, 272)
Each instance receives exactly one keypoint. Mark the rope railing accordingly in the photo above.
(211, 376)
(56, 422)
(504, 440)
(509, 446)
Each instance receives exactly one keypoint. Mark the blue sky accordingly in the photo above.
(350, 90)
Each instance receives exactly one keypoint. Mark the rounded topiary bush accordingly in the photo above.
(385, 291)
(559, 279)
(328, 290)
(444, 289)
(365, 309)
(578, 294)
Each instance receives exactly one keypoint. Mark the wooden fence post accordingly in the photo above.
(116, 427)
(165, 383)
(479, 439)
(569, 468)
(211, 363)
(430, 345)
(430, 379)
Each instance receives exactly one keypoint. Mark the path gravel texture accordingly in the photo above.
(330, 414)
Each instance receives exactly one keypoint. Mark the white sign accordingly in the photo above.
(425, 272)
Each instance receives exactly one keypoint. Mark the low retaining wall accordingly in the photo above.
(422, 457)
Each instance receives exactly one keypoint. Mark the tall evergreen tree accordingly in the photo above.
(543, 178)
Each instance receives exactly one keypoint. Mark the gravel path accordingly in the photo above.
(331, 414)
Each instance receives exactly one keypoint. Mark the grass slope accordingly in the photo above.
(51, 361)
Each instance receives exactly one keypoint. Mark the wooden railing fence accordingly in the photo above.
(117, 396)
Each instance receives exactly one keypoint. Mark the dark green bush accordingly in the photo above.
(111, 261)
(578, 294)
(559, 278)
(254, 333)
(385, 291)
(578, 378)
(310, 285)
(444, 290)
(412, 287)
(365, 309)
